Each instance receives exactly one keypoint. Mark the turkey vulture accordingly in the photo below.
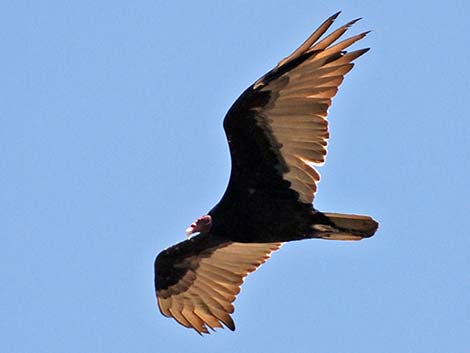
(277, 130)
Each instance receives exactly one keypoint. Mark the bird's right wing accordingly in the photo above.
(198, 280)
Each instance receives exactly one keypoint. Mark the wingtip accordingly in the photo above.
(335, 16)
(350, 23)
(361, 35)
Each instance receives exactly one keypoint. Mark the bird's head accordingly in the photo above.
(201, 225)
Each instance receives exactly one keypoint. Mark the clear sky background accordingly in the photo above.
(111, 144)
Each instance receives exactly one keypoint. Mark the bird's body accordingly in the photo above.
(276, 130)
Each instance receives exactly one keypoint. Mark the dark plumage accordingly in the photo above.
(277, 129)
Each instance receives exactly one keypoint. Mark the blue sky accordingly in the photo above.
(111, 144)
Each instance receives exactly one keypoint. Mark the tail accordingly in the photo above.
(337, 226)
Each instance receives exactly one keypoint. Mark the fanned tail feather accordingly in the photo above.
(345, 227)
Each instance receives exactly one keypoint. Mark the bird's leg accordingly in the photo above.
(202, 224)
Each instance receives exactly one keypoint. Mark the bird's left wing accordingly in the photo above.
(278, 127)
(198, 280)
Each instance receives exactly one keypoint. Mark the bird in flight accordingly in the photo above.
(277, 131)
